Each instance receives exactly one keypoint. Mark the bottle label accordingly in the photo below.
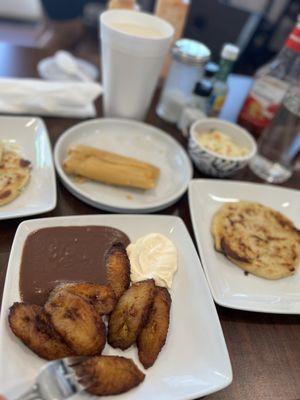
(216, 103)
(293, 41)
(263, 101)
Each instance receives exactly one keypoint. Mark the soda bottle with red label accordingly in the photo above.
(270, 85)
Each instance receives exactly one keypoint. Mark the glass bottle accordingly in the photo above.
(279, 145)
(229, 55)
(200, 96)
(269, 86)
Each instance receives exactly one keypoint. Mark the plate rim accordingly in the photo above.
(112, 208)
(53, 199)
(227, 377)
(219, 300)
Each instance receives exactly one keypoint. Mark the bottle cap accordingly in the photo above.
(203, 88)
(211, 69)
(230, 52)
(191, 52)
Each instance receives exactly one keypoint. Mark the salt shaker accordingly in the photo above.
(188, 61)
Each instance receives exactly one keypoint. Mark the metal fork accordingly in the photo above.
(57, 380)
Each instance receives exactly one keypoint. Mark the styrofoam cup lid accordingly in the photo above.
(134, 44)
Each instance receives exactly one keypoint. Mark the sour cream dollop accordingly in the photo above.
(153, 256)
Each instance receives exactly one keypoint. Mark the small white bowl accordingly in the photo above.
(213, 164)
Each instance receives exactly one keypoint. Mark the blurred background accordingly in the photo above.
(258, 27)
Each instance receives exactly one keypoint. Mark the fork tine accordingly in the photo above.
(83, 381)
(87, 383)
(80, 380)
(73, 369)
(74, 361)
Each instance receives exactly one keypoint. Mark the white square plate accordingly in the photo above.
(194, 362)
(229, 285)
(31, 137)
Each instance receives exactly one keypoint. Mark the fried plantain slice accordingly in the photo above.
(154, 334)
(102, 297)
(30, 323)
(130, 314)
(118, 269)
(76, 320)
(110, 375)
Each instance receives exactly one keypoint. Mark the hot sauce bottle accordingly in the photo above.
(270, 85)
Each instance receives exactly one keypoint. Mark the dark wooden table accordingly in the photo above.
(264, 348)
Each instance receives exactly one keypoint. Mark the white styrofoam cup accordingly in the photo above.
(131, 64)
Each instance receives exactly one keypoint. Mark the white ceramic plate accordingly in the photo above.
(194, 362)
(229, 285)
(31, 137)
(134, 139)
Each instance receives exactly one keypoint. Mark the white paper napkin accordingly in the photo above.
(38, 97)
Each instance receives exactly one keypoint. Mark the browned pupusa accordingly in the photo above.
(14, 176)
(257, 239)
